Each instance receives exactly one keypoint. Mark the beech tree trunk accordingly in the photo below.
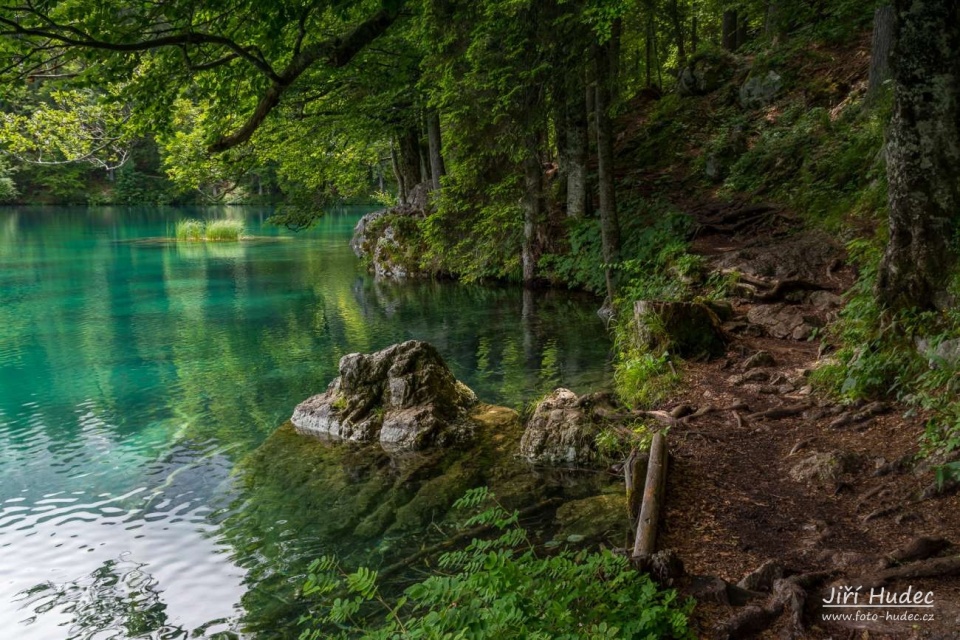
(923, 153)
(408, 162)
(437, 168)
(677, 19)
(693, 34)
(532, 208)
(742, 30)
(729, 30)
(773, 22)
(577, 144)
(880, 48)
(609, 224)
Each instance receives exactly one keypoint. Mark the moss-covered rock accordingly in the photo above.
(404, 396)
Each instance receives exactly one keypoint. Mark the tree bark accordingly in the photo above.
(532, 208)
(677, 19)
(693, 34)
(577, 144)
(437, 168)
(729, 30)
(408, 161)
(923, 152)
(609, 224)
(773, 22)
(742, 28)
(880, 50)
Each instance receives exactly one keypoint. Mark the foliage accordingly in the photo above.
(8, 189)
(499, 587)
(68, 126)
(643, 379)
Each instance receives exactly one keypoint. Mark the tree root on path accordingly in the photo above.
(778, 413)
(788, 596)
(775, 289)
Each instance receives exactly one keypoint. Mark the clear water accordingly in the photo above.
(135, 375)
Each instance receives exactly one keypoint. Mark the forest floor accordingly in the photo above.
(778, 474)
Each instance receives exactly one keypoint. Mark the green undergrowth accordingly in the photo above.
(499, 586)
(881, 355)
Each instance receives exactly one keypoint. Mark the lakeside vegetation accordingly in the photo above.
(212, 231)
(569, 144)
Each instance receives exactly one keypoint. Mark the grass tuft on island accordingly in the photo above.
(215, 231)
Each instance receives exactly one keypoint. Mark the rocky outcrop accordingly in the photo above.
(564, 428)
(405, 397)
(760, 90)
(706, 72)
(688, 329)
(389, 241)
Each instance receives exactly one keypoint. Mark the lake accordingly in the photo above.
(136, 374)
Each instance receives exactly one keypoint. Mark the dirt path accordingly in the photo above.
(823, 489)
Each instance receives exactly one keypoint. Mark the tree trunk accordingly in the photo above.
(408, 162)
(677, 21)
(743, 26)
(923, 152)
(693, 34)
(729, 30)
(880, 50)
(532, 208)
(609, 224)
(437, 168)
(576, 153)
(773, 26)
(649, 40)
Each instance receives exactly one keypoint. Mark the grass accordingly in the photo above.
(215, 231)
(190, 230)
(224, 231)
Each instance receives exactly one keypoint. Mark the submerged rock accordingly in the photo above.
(564, 428)
(404, 396)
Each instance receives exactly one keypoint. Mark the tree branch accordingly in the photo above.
(337, 52)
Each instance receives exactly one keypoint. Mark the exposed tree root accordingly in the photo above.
(778, 413)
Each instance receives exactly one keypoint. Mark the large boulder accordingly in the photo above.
(760, 90)
(404, 396)
(564, 427)
(706, 72)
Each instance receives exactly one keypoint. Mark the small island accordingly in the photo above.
(191, 230)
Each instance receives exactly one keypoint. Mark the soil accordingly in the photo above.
(805, 490)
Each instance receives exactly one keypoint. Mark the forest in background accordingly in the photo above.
(561, 142)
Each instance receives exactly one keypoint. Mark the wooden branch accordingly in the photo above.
(632, 470)
(646, 539)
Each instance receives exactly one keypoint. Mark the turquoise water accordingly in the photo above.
(136, 374)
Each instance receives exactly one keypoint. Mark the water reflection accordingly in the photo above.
(134, 376)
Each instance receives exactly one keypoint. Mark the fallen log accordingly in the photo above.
(646, 539)
(632, 470)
